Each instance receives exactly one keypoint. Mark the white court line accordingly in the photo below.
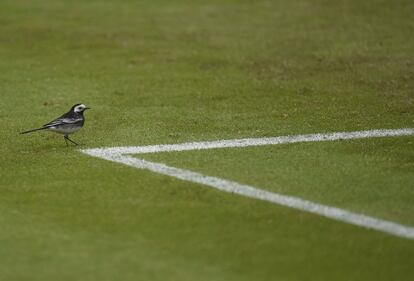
(251, 142)
(120, 155)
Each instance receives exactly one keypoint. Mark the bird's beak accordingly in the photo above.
(87, 108)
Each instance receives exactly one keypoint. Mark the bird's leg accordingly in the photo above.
(64, 137)
(67, 138)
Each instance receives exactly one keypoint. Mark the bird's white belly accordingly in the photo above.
(66, 130)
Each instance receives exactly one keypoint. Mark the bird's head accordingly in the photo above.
(79, 108)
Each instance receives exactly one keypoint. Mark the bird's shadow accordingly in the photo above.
(48, 143)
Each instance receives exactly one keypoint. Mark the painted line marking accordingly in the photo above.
(120, 155)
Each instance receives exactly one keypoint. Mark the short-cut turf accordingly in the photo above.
(175, 71)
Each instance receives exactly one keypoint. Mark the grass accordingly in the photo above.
(175, 71)
(354, 175)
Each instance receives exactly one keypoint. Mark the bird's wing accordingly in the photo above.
(63, 121)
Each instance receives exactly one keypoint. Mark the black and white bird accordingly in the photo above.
(69, 123)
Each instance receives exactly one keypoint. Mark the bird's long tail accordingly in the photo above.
(34, 130)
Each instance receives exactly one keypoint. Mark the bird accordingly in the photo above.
(69, 123)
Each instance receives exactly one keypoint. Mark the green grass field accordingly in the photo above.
(177, 71)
